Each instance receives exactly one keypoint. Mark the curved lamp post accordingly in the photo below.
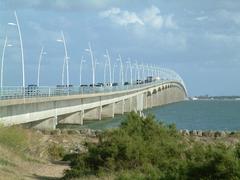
(39, 65)
(113, 74)
(66, 58)
(137, 75)
(80, 73)
(104, 72)
(121, 70)
(21, 44)
(109, 68)
(93, 63)
(130, 66)
(3, 57)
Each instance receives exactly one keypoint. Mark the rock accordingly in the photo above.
(219, 134)
(72, 131)
(186, 132)
(223, 134)
(39, 132)
(46, 132)
(88, 132)
(199, 133)
(56, 132)
(64, 131)
(208, 133)
(193, 133)
(98, 132)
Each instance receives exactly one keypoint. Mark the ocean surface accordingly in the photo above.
(191, 115)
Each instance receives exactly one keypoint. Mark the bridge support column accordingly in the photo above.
(108, 111)
(93, 114)
(128, 105)
(140, 102)
(154, 99)
(119, 107)
(49, 124)
(160, 98)
(149, 100)
(73, 118)
(145, 105)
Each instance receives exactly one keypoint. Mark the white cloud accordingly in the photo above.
(149, 17)
(152, 17)
(201, 18)
(230, 16)
(121, 17)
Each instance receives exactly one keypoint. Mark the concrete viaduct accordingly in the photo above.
(47, 112)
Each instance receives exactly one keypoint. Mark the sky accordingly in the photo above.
(200, 40)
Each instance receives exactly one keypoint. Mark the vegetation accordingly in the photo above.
(56, 152)
(13, 137)
(142, 148)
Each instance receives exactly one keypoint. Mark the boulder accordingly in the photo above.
(199, 133)
(186, 132)
(193, 133)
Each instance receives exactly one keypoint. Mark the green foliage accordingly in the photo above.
(56, 152)
(13, 137)
(141, 148)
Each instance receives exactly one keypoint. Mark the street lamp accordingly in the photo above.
(143, 71)
(39, 65)
(121, 70)
(93, 63)
(66, 58)
(2, 60)
(114, 66)
(130, 67)
(104, 72)
(109, 68)
(136, 71)
(80, 75)
(21, 44)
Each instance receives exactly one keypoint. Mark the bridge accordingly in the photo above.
(44, 108)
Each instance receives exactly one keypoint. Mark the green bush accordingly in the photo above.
(56, 152)
(142, 148)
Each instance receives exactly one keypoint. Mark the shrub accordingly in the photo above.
(56, 152)
(142, 148)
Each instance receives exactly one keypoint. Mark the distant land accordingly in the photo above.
(206, 97)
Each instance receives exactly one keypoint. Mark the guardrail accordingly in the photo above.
(31, 92)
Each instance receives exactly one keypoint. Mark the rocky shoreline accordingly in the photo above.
(207, 133)
(185, 132)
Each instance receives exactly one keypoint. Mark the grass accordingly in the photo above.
(4, 162)
(14, 138)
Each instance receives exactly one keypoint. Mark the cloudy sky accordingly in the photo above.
(198, 39)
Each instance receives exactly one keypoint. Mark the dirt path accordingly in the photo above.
(46, 171)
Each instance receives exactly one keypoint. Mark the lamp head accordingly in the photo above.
(59, 40)
(11, 24)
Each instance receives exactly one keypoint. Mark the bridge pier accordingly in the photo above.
(73, 118)
(145, 105)
(108, 110)
(93, 114)
(119, 107)
(128, 105)
(139, 102)
(149, 100)
(154, 98)
(49, 124)
(160, 98)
